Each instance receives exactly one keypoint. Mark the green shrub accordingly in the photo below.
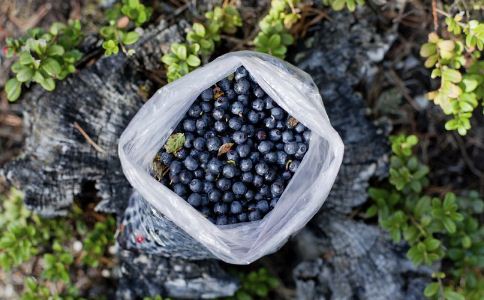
(43, 57)
(341, 4)
(256, 285)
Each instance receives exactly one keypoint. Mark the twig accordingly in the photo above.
(88, 139)
(465, 156)
(24, 25)
(434, 15)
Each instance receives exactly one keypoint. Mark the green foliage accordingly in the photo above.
(175, 142)
(341, 4)
(123, 18)
(456, 62)
(201, 41)
(256, 285)
(25, 235)
(43, 57)
(274, 35)
(434, 228)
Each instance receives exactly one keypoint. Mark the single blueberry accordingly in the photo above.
(182, 153)
(259, 92)
(247, 177)
(277, 188)
(255, 156)
(244, 99)
(300, 128)
(206, 106)
(240, 73)
(261, 168)
(242, 86)
(273, 202)
(248, 129)
(287, 136)
(189, 125)
(290, 148)
(224, 184)
(224, 84)
(228, 197)
(199, 143)
(222, 103)
(258, 181)
(235, 123)
(263, 206)
(281, 158)
(208, 187)
(166, 158)
(195, 199)
(269, 103)
(270, 123)
(275, 135)
(265, 190)
(239, 188)
(245, 165)
(222, 220)
(229, 171)
(204, 157)
(220, 208)
(209, 134)
(294, 165)
(265, 146)
(199, 173)
(214, 195)
(207, 95)
(307, 136)
(270, 157)
(189, 138)
(213, 144)
(186, 176)
(196, 185)
(258, 104)
(298, 138)
(195, 111)
(261, 135)
(218, 114)
(230, 94)
(237, 108)
(190, 163)
(243, 150)
(253, 117)
(180, 189)
(286, 175)
(254, 215)
(301, 150)
(280, 125)
(214, 166)
(249, 195)
(201, 124)
(242, 217)
(277, 113)
(176, 167)
(239, 137)
(236, 207)
(210, 177)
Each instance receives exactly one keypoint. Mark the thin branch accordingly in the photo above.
(434, 15)
(88, 139)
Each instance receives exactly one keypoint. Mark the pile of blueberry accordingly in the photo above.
(239, 152)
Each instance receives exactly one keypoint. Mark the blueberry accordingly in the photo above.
(199, 173)
(245, 165)
(290, 148)
(220, 208)
(190, 163)
(232, 155)
(301, 150)
(265, 190)
(281, 158)
(269, 103)
(253, 117)
(263, 206)
(204, 210)
(222, 220)
(226, 140)
(204, 157)
(201, 124)
(255, 157)
(258, 104)
(189, 138)
(195, 111)
(261, 135)
(195, 153)
(208, 187)
(210, 177)
(223, 184)
(249, 195)
(235, 123)
(174, 179)
(186, 177)
(242, 217)
(265, 147)
(259, 92)
(254, 216)
(229, 171)
(228, 197)
(220, 126)
(206, 106)
(230, 94)
(222, 103)
(242, 86)
(307, 136)
(214, 166)
(239, 188)
(214, 195)
(262, 115)
(189, 125)
(298, 138)
(251, 206)
(195, 199)
(166, 158)
(243, 150)
(300, 128)
(286, 175)
(277, 188)
(294, 165)
(280, 146)
(277, 113)
(247, 177)
(207, 94)
(176, 167)
(213, 144)
(275, 135)
(239, 137)
(196, 185)
(232, 219)
(258, 181)
(248, 129)
(218, 114)
(261, 168)
(273, 202)
(237, 108)
(199, 143)
(240, 73)
(236, 207)
(180, 189)
(270, 157)
(224, 84)
(270, 123)
(280, 125)
(287, 136)
(182, 153)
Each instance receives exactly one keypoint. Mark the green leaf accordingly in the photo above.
(169, 58)
(13, 87)
(449, 225)
(193, 61)
(25, 58)
(130, 38)
(181, 51)
(274, 41)
(51, 67)
(451, 295)
(175, 142)
(48, 84)
(199, 29)
(55, 50)
(432, 244)
(338, 4)
(25, 74)
(431, 289)
(451, 75)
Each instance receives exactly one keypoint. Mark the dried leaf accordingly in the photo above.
(217, 92)
(292, 122)
(158, 169)
(224, 148)
(175, 142)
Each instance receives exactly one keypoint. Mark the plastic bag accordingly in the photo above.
(294, 91)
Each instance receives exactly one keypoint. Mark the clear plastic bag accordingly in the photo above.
(294, 91)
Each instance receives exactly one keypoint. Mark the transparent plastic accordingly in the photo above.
(294, 91)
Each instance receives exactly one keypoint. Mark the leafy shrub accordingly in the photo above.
(455, 60)
(43, 57)
(256, 285)
(433, 227)
(274, 35)
(341, 4)
(122, 19)
(201, 39)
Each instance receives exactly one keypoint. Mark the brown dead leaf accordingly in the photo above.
(224, 148)
(292, 121)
